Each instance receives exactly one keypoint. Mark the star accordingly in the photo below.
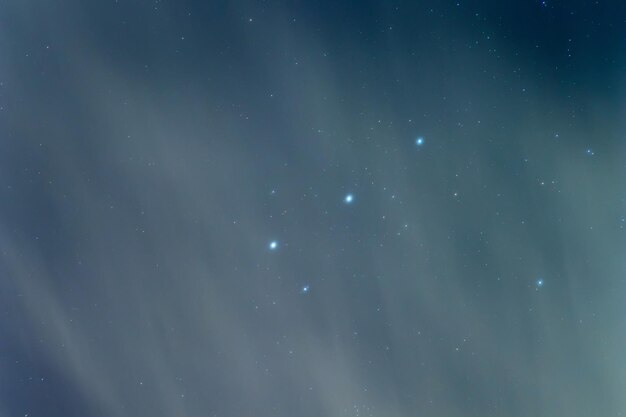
(273, 245)
(589, 152)
(539, 283)
(348, 199)
(305, 289)
(419, 141)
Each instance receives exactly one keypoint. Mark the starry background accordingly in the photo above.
(224, 208)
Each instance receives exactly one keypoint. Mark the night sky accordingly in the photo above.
(312, 208)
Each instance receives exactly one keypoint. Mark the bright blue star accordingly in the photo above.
(419, 141)
(305, 289)
(273, 245)
(539, 283)
(348, 199)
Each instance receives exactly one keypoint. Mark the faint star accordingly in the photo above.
(589, 152)
(348, 199)
(273, 245)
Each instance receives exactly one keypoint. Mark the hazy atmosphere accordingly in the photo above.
(312, 208)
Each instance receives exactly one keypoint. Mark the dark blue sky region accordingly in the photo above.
(312, 208)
